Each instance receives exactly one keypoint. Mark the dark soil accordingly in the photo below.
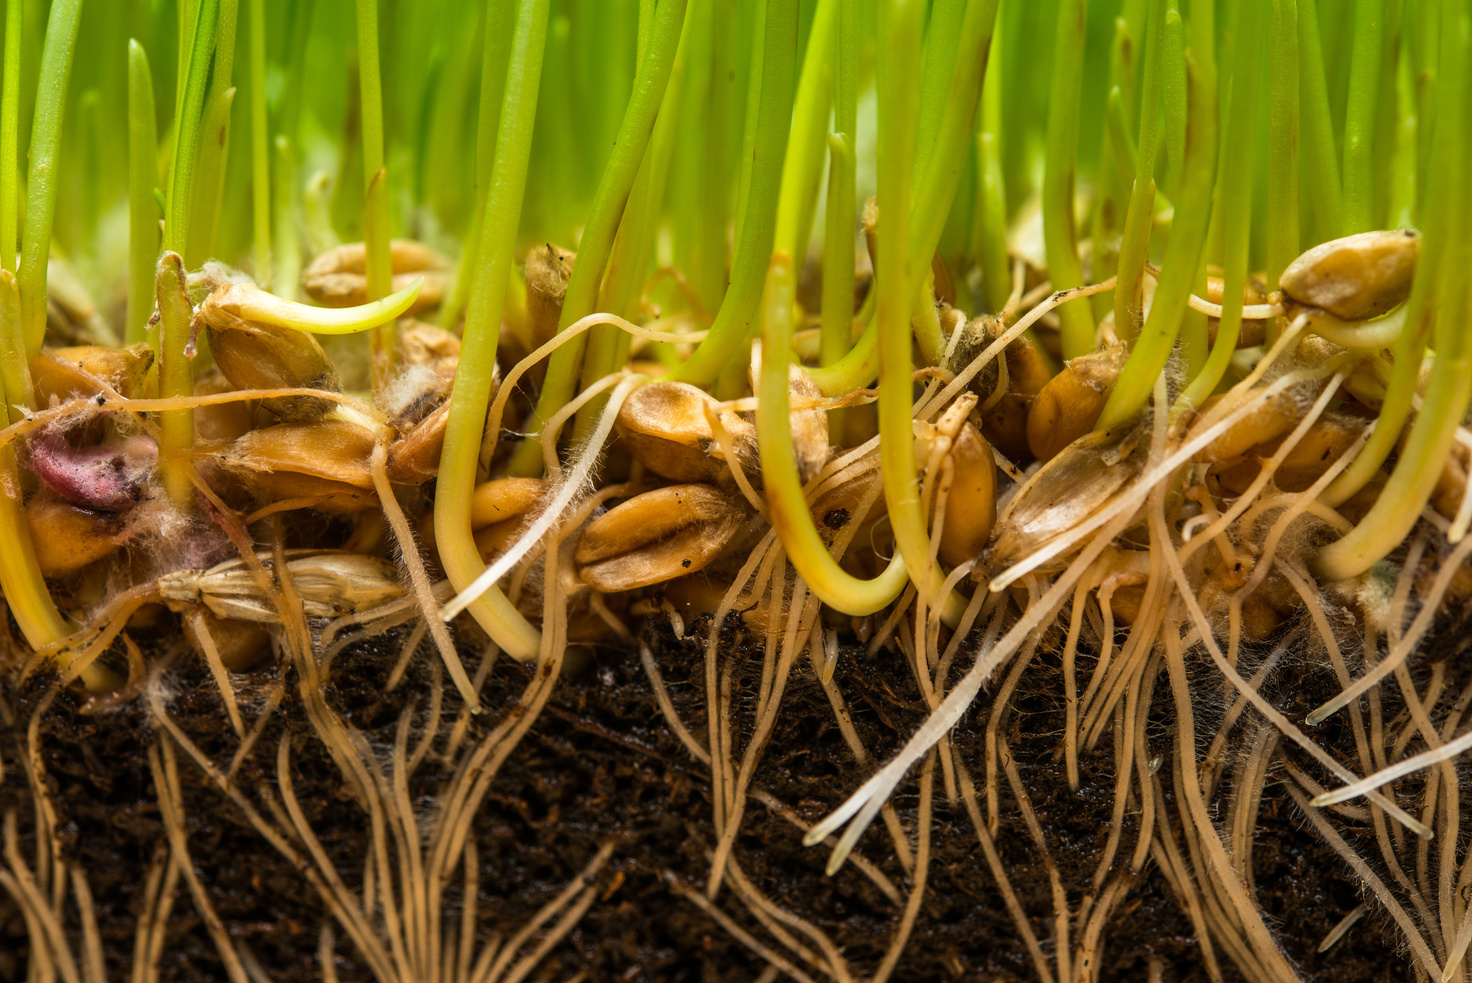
(601, 763)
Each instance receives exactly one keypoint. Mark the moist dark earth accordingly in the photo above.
(601, 763)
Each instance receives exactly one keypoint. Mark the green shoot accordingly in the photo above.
(375, 181)
(472, 389)
(1360, 116)
(260, 149)
(143, 233)
(41, 186)
(10, 137)
(1059, 230)
(608, 208)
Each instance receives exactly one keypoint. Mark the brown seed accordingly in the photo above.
(325, 461)
(68, 538)
(337, 278)
(1070, 404)
(1451, 485)
(503, 499)
(547, 270)
(971, 506)
(1272, 418)
(429, 345)
(1004, 419)
(664, 425)
(264, 356)
(69, 372)
(838, 507)
(656, 536)
(414, 458)
(1357, 277)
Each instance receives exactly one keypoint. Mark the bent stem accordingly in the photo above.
(472, 388)
(788, 508)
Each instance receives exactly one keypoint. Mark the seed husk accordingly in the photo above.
(69, 372)
(1070, 404)
(265, 356)
(503, 499)
(809, 426)
(331, 584)
(1269, 420)
(327, 460)
(971, 506)
(1081, 479)
(663, 424)
(414, 458)
(1004, 419)
(338, 277)
(656, 536)
(547, 270)
(430, 346)
(68, 538)
(1357, 277)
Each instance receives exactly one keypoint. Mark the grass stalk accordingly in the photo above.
(1238, 140)
(897, 83)
(802, 171)
(936, 188)
(1360, 117)
(472, 388)
(783, 489)
(10, 137)
(989, 222)
(1321, 169)
(286, 205)
(836, 331)
(598, 237)
(143, 231)
(45, 158)
(1060, 233)
(260, 149)
(1173, 95)
(738, 313)
(1433, 315)
(379, 267)
(1282, 192)
(1182, 261)
(628, 265)
(495, 57)
(1135, 243)
(176, 372)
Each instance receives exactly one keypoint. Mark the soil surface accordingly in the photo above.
(601, 763)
